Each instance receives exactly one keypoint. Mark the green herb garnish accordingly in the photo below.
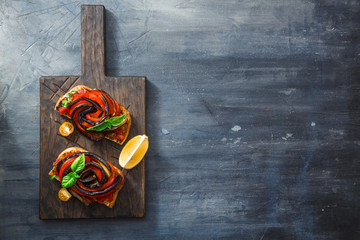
(108, 123)
(64, 103)
(66, 100)
(77, 166)
(69, 180)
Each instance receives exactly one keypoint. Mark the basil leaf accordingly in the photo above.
(52, 177)
(116, 121)
(108, 123)
(66, 100)
(64, 103)
(100, 127)
(79, 164)
(69, 180)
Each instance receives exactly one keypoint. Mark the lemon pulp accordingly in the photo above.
(134, 151)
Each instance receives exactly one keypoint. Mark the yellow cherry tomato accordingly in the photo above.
(66, 129)
(64, 194)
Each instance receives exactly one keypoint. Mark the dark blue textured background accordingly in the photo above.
(252, 114)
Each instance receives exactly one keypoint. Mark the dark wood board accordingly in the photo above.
(128, 91)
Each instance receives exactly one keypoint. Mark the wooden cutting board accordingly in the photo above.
(128, 91)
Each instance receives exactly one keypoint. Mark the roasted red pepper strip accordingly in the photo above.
(97, 107)
(75, 118)
(64, 166)
(79, 95)
(95, 96)
(98, 174)
(105, 185)
(58, 160)
(63, 110)
(104, 195)
(110, 102)
(117, 107)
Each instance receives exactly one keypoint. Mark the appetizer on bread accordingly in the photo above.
(95, 113)
(87, 176)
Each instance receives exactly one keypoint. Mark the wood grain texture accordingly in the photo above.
(128, 91)
(93, 44)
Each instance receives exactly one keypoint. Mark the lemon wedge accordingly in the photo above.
(64, 194)
(134, 151)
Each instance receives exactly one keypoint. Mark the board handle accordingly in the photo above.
(93, 43)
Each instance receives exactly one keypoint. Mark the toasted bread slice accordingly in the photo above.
(127, 127)
(111, 134)
(76, 88)
(62, 155)
(109, 200)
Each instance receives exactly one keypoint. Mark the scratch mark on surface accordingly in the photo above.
(47, 31)
(141, 35)
(206, 104)
(69, 10)
(73, 84)
(165, 178)
(237, 140)
(122, 36)
(4, 93)
(76, 29)
(54, 93)
(208, 107)
(16, 74)
(261, 238)
(60, 87)
(66, 25)
(289, 35)
(114, 148)
(24, 86)
(29, 47)
(45, 10)
(71, 142)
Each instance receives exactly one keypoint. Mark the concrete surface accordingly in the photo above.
(253, 115)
